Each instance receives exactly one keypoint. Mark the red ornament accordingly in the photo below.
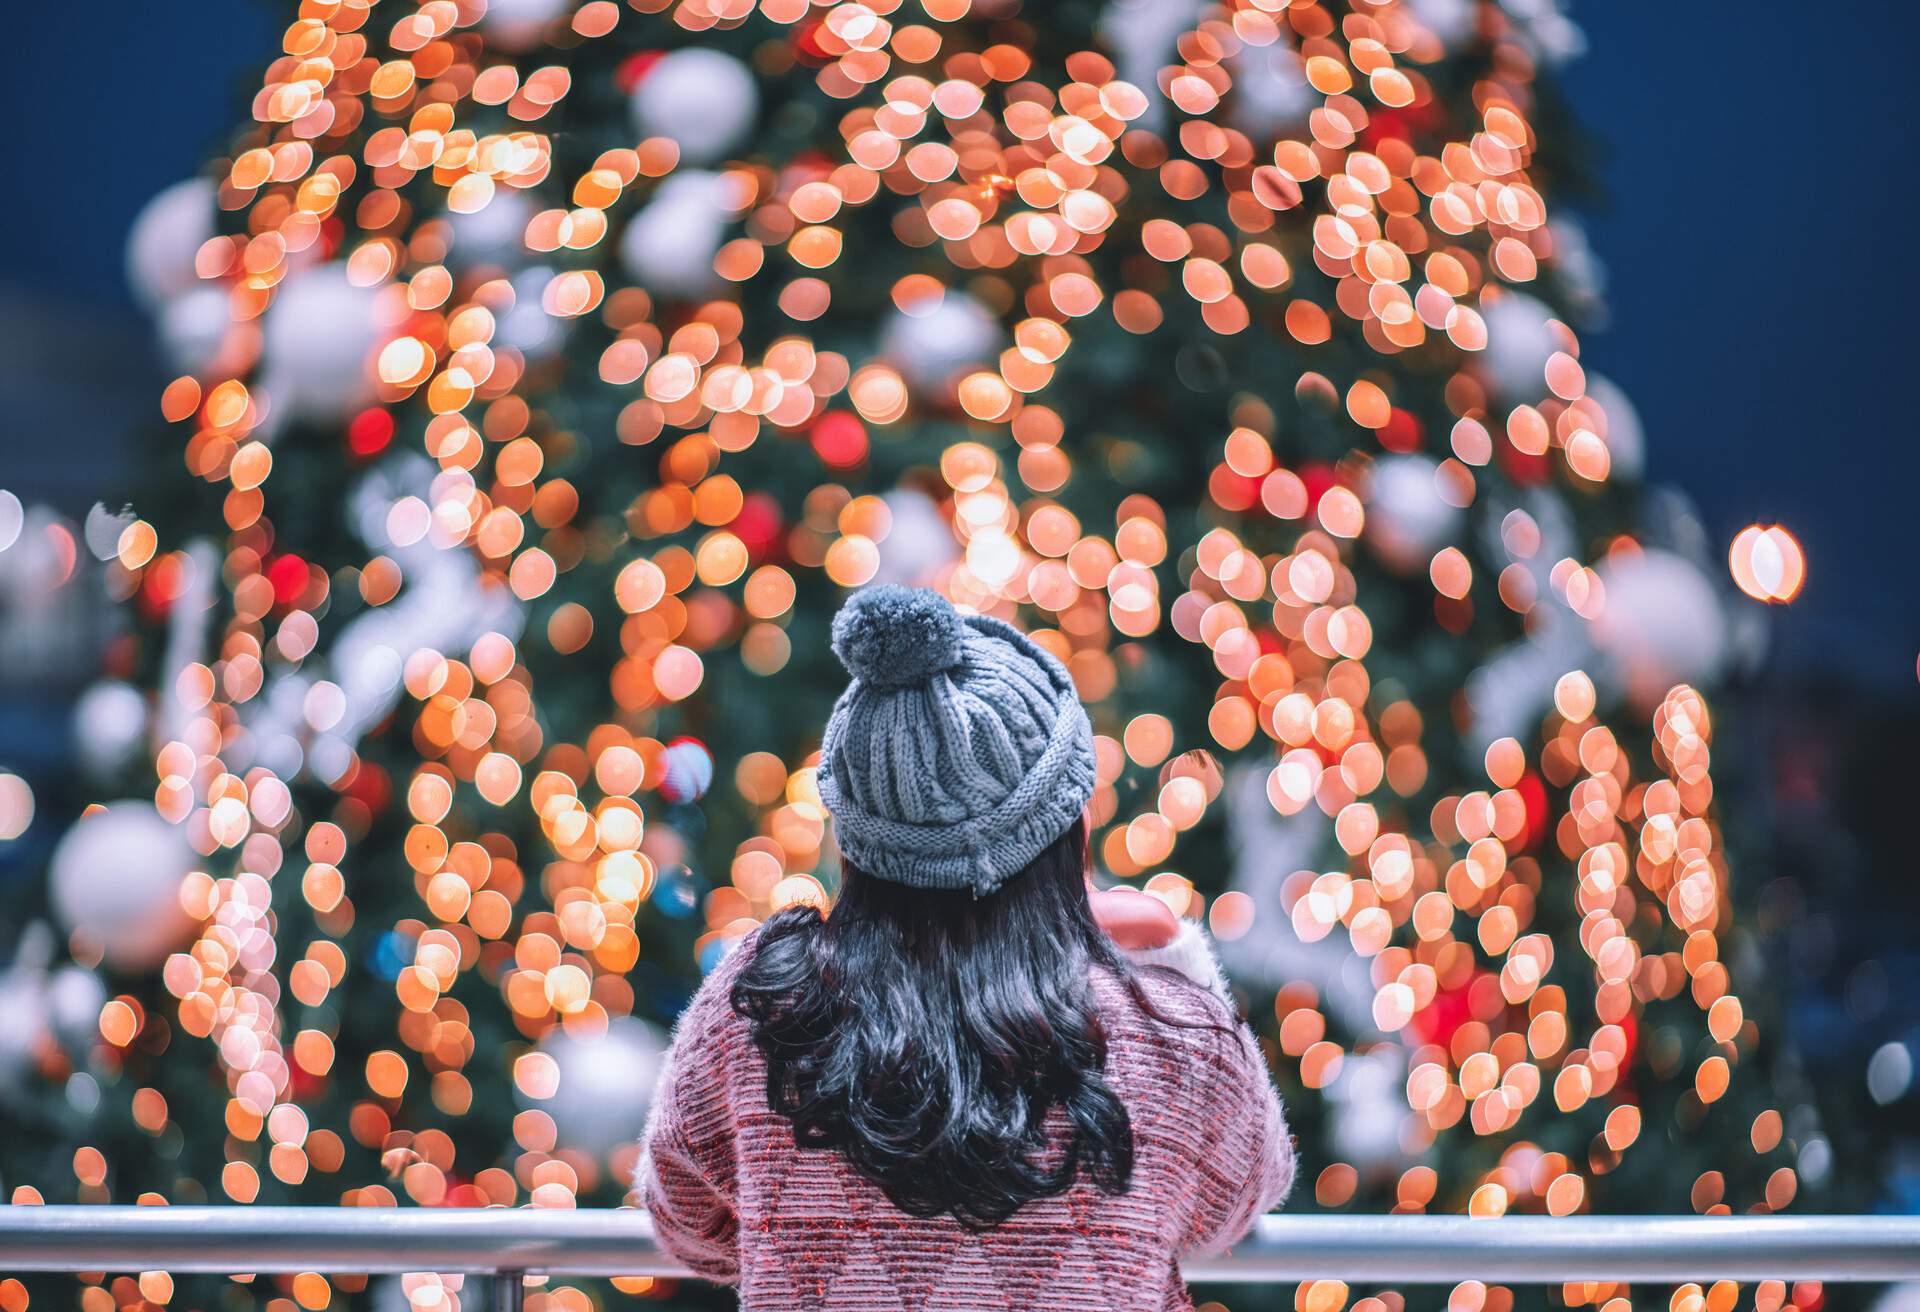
(1533, 794)
(807, 166)
(1438, 1020)
(759, 524)
(1630, 1028)
(1317, 477)
(1385, 125)
(634, 67)
(806, 45)
(840, 439)
(1526, 470)
(370, 787)
(1399, 124)
(155, 597)
(121, 659)
(369, 432)
(1402, 432)
(288, 574)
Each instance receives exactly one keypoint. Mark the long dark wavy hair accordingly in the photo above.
(926, 1034)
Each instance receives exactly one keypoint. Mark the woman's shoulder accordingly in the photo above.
(710, 1009)
(1182, 979)
(1165, 1004)
(1178, 1047)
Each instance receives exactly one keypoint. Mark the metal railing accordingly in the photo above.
(506, 1244)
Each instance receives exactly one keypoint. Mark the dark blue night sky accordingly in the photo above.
(1759, 170)
(1760, 175)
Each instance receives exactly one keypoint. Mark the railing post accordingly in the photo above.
(498, 1291)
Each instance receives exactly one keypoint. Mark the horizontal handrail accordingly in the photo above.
(1362, 1249)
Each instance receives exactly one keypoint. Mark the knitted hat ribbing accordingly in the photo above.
(960, 749)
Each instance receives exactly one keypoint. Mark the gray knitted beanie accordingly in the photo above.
(958, 752)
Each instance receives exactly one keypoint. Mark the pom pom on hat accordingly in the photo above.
(895, 637)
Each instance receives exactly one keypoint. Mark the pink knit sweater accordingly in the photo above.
(735, 1200)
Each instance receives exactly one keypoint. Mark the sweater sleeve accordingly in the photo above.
(1245, 1155)
(686, 1176)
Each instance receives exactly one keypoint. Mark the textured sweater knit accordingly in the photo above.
(733, 1198)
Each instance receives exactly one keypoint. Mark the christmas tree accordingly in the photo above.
(549, 370)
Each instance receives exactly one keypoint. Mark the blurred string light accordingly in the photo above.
(1890, 1072)
(13, 518)
(16, 806)
(385, 134)
(1767, 563)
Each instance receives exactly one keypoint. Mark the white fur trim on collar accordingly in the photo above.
(1189, 952)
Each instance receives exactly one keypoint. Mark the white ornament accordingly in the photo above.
(1406, 519)
(1626, 439)
(1543, 25)
(166, 235)
(115, 876)
(193, 327)
(919, 544)
(1368, 1101)
(931, 342)
(1449, 20)
(1142, 35)
(1580, 269)
(521, 24)
(316, 349)
(704, 100)
(1899, 1298)
(606, 1083)
(36, 561)
(23, 1021)
(1267, 848)
(494, 234)
(73, 998)
(527, 327)
(21, 1026)
(109, 726)
(669, 246)
(47, 629)
(688, 771)
(1270, 91)
(1662, 623)
(1520, 341)
(445, 606)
